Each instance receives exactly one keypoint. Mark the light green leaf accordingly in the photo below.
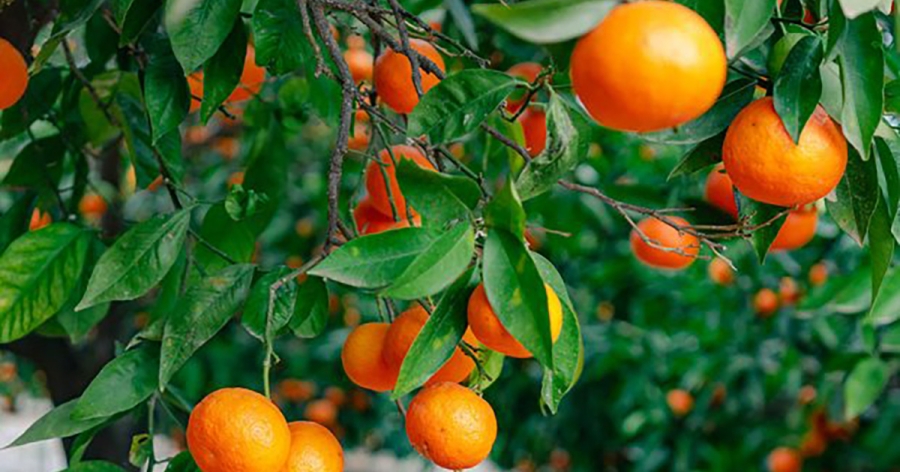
(121, 385)
(505, 211)
(57, 423)
(438, 197)
(437, 266)
(546, 21)
(864, 385)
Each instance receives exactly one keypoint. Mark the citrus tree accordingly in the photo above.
(194, 188)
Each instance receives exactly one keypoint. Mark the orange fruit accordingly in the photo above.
(384, 165)
(236, 178)
(195, 82)
(336, 395)
(818, 274)
(807, 395)
(39, 220)
(400, 338)
(720, 191)
(488, 329)
(765, 164)
(92, 206)
(371, 221)
(451, 426)
(252, 78)
(363, 360)
(534, 126)
(718, 396)
(313, 449)
(227, 146)
(527, 71)
(238, 430)
(14, 80)
(294, 390)
(680, 402)
(359, 400)
(798, 229)
(321, 411)
(8, 372)
(360, 63)
(649, 66)
(814, 444)
(359, 141)
(720, 272)
(393, 76)
(668, 237)
(784, 459)
(355, 41)
(788, 291)
(765, 302)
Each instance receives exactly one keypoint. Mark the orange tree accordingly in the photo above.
(194, 186)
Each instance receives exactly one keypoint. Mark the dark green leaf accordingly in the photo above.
(133, 16)
(43, 90)
(222, 73)
(183, 462)
(886, 307)
(166, 91)
(38, 271)
(862, 71)
(437, 266)
(278, 35)
(460, 103)
(197, 28)
(744, 21)
(121, 385)
(892, 96)
(700, 157)
(241, 203)
(798, 87)
(757, 214)
(77, 324)
(256, 311)
(57, 423)
(169, 148)
(94, 466)
(138, 260)
(267, 173)
(546, 21)
(14, 222)
(235, 239)
(864, 385)
(39, 165)
(462, 17)
(311, 308)
(200, 314)
(881, 244)
(438, 197)
(505, 211)
(856, 196)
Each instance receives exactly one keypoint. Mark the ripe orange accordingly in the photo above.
(92, 206)
(765, 164)
(527, 71)
(252, 78)
(363, 360)
(39, 220)
(788, 291)
(355, 41)
(227, 146)
(488, 329)
(294, 390)
(720, 272)
(195, 82)
(807, 395)
(321, 411)
(818, 274)
(720, 191)
(534, 126)
(400, 338)
(451, 426)
(814, 444)
(668, 237)
(798, 229)
(784, 459)
(336, 395)
(14, 80)
(649, 66)
(238, 430)
(359, 141)
(371, 221)
(360, 63)
(313, 449)
(393, 76)
(765, 302)
(375, 183)
(680, 402)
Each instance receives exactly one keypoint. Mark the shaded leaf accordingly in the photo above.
(438, 197)
(881, 244)
(855, 197)
(14, 222)
(278, 35)
(699, 157)
(166, 92)
(94, 466)
(198, 27)
(757, 214)
(798, 87)
(222, 73)
(183, 462)
(256, 311)
(505, 211)
(132, 16)
(39, 165)
(122, 384)
(862, 71)
(437, 266)
(310, 309)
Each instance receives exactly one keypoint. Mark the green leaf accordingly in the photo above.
(169, 147)
(198, 27)
(256, 311)
(568, 140)
(77, 324)
(546, 21)
(505, 211)
(438, 339)
(133, 16)
(222, 73)
(267, 173)
(744, 21)
(138, 260)
(699, 157)
(864, 385)
(310, 309)
(460, 103)
(492, 364)
(376, 260)
(462, 18)
(437, 266)
(57, 423)
(166, 92)
(886, 307)
(122, 384)
(94, 466)
(39, 165)
(881, 244)
(38, 271)
(278, 36)
(201, 313)
(798, 87)
(892, 96)
(14, 222)
(856, 197)
(438, 197)
(141, 450)
(183, 462)
(757, 214)
(43, 90)
(862, 71)
(515, 290)
(241, 203)
(236, 239)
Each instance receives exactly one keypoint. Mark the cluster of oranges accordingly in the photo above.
(666, 55)
(251, 81)
(384, 207)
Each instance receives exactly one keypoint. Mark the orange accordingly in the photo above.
(661, 234)
(384, 165)
(765, 302)
(720, 191)
(14, 80)
(788, 291)
(527, 71)
(195, 82)
(359, 141)
(8, 372)
(363, 361)
(360, 63)
(227, 146)
(336, 395)
(784, 459)
(393, 76)
(400, 338)
(765, 164)
(252, 78)
(321, 411)
(156, 184)
(818, 274)
(488, 329)
(798, 229)
(371, 221)
(649, 66)
(680, 402)
(237, 178)
(451, 426)
(720, 272)
(39, 220)
(355, 41)
(814, 444)
(807, 395)
(313, 449)
(294, 390)
(92, 206)
(534, 126)
(238, 430)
